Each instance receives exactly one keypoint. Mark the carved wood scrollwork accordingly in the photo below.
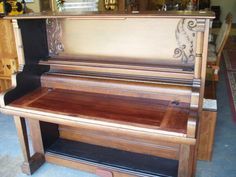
(54, 34)
(185, 34)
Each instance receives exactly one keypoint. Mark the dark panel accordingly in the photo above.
(133, 162)
(27, 80)
(49, 132)
(35, 47)
(34, 38)
(210, 89)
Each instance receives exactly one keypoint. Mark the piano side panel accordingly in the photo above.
(34, 44)
(34, 39)
(23, 83)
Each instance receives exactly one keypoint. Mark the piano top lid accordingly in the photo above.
(135, 14)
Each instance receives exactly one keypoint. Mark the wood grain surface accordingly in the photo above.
(131, 110)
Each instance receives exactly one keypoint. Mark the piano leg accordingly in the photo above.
(186, 161)
(35, 132)
(31, 163)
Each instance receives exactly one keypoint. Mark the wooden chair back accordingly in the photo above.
(223, 36)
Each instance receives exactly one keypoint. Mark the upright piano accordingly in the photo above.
(115, 94)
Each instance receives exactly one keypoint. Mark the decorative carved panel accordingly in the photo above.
(185, 37)
(54, 34)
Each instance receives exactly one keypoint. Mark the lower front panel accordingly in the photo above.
(120, 140)
(113, 159)
(131, 161)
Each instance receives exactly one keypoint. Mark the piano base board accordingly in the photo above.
(36, 161)
(91, 158)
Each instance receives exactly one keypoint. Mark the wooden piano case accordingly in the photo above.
(112, 94)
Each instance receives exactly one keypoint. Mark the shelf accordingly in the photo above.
(143, 165)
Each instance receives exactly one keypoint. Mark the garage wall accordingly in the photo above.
(226, 6)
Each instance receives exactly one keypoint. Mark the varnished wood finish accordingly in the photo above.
(35, 132)
(35, 162)
(202, 89)
(207, 135)
(126, 70)
(120, 140)
(116, 86)
(22, 134)
(31, 163)
(186, 160)
(145, 99)
(75, 122)
(167, 14)
(135, 111)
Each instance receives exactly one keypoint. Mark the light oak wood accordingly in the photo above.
(31, 163)
(199, 51)
(19, 44)
(35, 132)
(8, 55)
(7, 41)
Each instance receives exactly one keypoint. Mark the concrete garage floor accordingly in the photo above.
(222, 164)
(11, 157)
